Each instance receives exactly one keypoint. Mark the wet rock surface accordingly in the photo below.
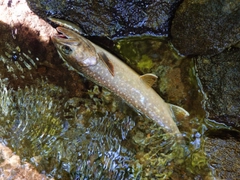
(111, 18)
(206, 27)
(220, 76)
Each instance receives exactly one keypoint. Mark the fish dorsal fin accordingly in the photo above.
(178, 112)
(107, 62)
(149, 79)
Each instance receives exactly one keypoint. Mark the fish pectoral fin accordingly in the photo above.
(178, 112)
(107, 62)
(149, 79)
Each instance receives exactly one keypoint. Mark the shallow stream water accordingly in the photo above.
(91, 134)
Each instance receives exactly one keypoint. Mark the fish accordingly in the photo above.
(106, 70)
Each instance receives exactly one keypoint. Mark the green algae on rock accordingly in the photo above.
(145, 64)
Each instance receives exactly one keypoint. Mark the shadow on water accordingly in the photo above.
(68, 128)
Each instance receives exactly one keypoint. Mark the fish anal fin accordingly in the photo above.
(107, 62)
(178, 112)
(149, 79)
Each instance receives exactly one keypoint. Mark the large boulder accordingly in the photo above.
(220, 76)
(112, 18)
(206, 27)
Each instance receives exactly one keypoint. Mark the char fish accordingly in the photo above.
(106, 70)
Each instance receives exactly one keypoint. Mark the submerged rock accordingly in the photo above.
(112, 18)
(206, 27)
(223, 156)
(221, 84)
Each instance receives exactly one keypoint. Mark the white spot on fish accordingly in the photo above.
(89, 61)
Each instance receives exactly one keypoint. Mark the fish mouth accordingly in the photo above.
(62, 33)
(65, 37)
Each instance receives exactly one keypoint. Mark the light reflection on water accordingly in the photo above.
(33, 124)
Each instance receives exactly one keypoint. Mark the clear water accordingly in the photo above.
(95, 135)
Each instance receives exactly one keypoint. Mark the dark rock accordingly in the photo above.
(111, 18)
(206, 27)
(221, 85)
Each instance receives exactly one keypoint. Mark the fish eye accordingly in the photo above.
(66, 49)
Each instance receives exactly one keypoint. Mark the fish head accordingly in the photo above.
(74, 48)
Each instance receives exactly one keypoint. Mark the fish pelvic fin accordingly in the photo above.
(107, 62)
(149, 79)
(178, 112)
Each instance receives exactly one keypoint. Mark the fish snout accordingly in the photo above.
(65, 37)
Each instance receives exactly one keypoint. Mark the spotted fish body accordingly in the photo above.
(106, 70)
